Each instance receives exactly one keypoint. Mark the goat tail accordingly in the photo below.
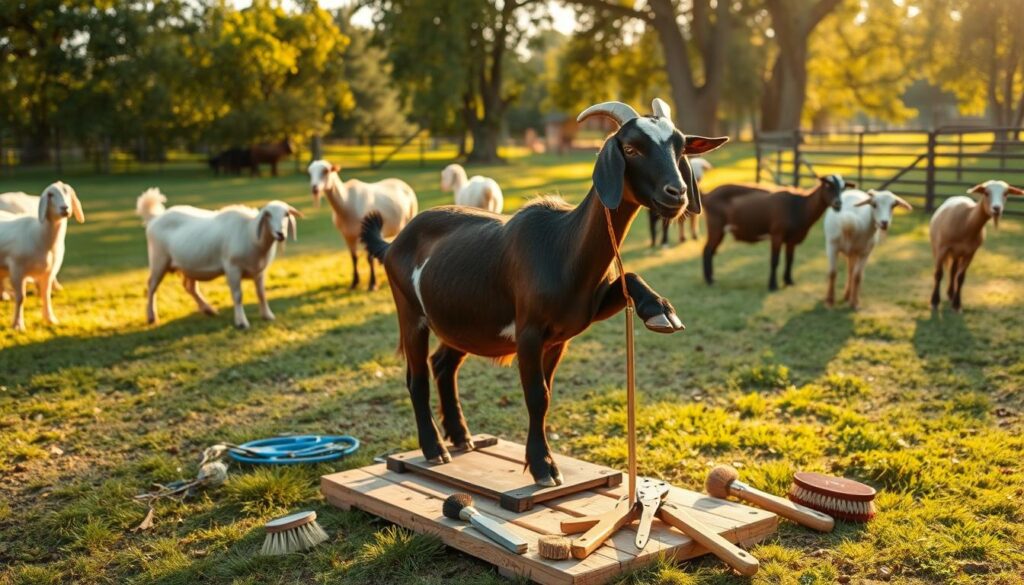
(370, 234)
(150, 204)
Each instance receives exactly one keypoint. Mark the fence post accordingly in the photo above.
(929, 188)
(796, 157)
(860, 158)
(757, 154)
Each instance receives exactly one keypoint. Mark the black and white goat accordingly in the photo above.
(525, 285)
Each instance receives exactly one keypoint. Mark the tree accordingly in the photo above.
(377, 105)
(451, 59)
(985, 69)
(785, 89)
(694, 38)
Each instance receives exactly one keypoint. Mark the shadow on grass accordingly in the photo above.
(811, 339)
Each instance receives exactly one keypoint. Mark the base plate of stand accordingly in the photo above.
(414, 501)
(496, 469)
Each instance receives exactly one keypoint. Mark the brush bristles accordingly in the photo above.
(455, 503)
(844, 509)
(294, 540)
(719, 479)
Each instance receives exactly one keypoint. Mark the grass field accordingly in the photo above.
(926, 407)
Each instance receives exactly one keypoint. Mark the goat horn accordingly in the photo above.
(617, 111)
(661, 109)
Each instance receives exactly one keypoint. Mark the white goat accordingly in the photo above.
(236, 241)
(19, 203)
(353, 200)
(477, 191)
(957, 230)
(853, 231)
(32, 247)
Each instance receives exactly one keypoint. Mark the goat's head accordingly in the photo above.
(59, 201)
(319, 176)
(646, 161)
(882, 205)
(993, 195)
(449, 174)
(278, 219)
(832, 187)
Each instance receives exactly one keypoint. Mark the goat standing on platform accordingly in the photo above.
(525, 285)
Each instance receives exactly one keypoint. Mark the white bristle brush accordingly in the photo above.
(292, 533)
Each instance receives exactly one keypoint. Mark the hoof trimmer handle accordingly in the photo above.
(598, 528)
(743, 562)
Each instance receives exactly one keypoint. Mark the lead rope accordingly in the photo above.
(630, 378)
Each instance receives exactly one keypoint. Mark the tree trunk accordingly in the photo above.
(35, 146)
(487, 135)
(785, 93)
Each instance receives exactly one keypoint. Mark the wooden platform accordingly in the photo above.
(495, 469)
(414, 501)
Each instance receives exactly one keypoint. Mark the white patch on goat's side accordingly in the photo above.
(509, 332)
(417, 273)
(659, 129)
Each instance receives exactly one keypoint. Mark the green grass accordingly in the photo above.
(93, 411)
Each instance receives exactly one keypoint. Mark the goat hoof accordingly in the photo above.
(466, 445)
(547, 481)
(209, 311)
(664, 323)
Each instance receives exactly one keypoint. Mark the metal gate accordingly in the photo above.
(928, 166)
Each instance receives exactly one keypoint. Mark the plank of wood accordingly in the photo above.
(420, 512)
(492, 471)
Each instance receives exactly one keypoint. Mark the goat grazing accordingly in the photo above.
(957, 230)
(236, 241)
(700, 166)
(32, 246)
(352, 200)
(525, 285)
(853, 231)
(480, 192)
(756, 212)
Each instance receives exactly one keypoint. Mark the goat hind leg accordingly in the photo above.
(954, 271)
(960, 277)
(445, 362)
(787, 276)
(773, 283)
(417, 377)
(192, 288)
(936, 297)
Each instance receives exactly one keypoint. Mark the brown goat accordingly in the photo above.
(525, 285)
(754, 212)
(270, 153)
(957, 230)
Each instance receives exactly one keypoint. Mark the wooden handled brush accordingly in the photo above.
(843, 498)
(460, 507)
(723, 481)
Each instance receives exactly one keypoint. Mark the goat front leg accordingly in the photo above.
(530, 350)
(445, 362)
(235, 283)
(858, 277)
(954, 271)
(664, 232)
(373, 272)
(960, 277)
(45, 286)
(787, 276)
(353, 250)
(261, 295)
(830, 292)
(656, 311)
(773, 283)
(653, 220)
(20, 283)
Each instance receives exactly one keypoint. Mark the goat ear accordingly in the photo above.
(694, 205)
(609, 174)
(849, 185)
(76, 205)
(900, 202)
(1014, 190)
(979, 188)
(700, 144)
(295, 212)
(44, 204)
(261, 222)
(335, 168)
(867, 201)
(293, 227)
